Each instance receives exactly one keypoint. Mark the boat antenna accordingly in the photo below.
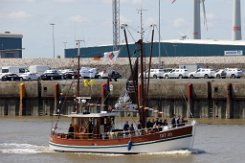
(140, 11)
(150, 60)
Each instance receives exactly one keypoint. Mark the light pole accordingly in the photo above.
(159, 34)
(52, 24)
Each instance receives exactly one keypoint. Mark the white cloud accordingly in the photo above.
(125, 20)
(150, 21)
(78, 19)
(65, 1)
(179, 22)
(21, 1)
(107, 1)
(15, 15)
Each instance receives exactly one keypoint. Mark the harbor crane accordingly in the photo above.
(116, 24)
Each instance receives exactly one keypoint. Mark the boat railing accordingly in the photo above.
(117, 133)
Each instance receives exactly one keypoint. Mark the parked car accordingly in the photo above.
(233, 72)
(70, 75)
(51, 75)
(220, 73)
(112, 74)
(11, 77)
(66, 71)
(101, 74)
(30, 76)
(202, 73)
(86, 72)
(176, 73)
(154, 73)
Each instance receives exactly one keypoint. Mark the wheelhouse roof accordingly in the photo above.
(92, 115)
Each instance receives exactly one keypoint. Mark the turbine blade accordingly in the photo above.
(204, 14)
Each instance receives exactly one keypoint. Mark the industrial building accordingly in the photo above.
(10, 45)
(169, 48)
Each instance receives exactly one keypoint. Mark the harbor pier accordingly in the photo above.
(199, 98)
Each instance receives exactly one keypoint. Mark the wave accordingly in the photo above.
(169, 153)
(14, 148)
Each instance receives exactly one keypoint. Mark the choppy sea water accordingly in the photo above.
(26, 140)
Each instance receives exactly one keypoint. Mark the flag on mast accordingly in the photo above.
(111, 56)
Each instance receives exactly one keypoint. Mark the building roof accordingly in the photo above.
(7, 34)
(209, 42)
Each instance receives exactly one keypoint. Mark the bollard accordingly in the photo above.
(56, 97)
(210, 100)
(229, 109)
(189, 112)
(22, 95)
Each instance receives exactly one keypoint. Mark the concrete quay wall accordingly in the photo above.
(220, 98)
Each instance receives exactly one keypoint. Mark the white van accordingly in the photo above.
(14, 70)
(39, 69)
(86, 72)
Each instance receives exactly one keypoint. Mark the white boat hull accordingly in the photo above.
(184, 142)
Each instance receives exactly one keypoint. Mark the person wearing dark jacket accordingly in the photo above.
(70, 134)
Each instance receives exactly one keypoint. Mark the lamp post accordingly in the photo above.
(52, 24)
(159, 34)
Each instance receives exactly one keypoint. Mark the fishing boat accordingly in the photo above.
(93, 131)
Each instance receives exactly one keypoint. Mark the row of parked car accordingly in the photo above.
(52, 74)
(49, 74)
(180, 73)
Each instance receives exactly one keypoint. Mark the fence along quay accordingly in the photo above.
(197, 98)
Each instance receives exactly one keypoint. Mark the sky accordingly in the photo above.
(91, 21)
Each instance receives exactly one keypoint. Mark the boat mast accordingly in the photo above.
(150, 61)
(78, 74)
(141, 100)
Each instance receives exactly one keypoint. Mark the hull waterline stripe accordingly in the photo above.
(117, 146)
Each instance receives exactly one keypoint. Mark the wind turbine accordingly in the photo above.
(236, 32)
(197, 18)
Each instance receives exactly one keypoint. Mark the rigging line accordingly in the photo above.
(148, 34)
(66, 95)
(131, 35)
(56, 124)
(164, 48)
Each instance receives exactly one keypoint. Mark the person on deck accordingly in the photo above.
(148, 124)
(70, 134)
(173, 121)
(126, 127)
(165, 122)
(131, 128)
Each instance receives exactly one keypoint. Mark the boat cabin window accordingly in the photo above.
(92, 127)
